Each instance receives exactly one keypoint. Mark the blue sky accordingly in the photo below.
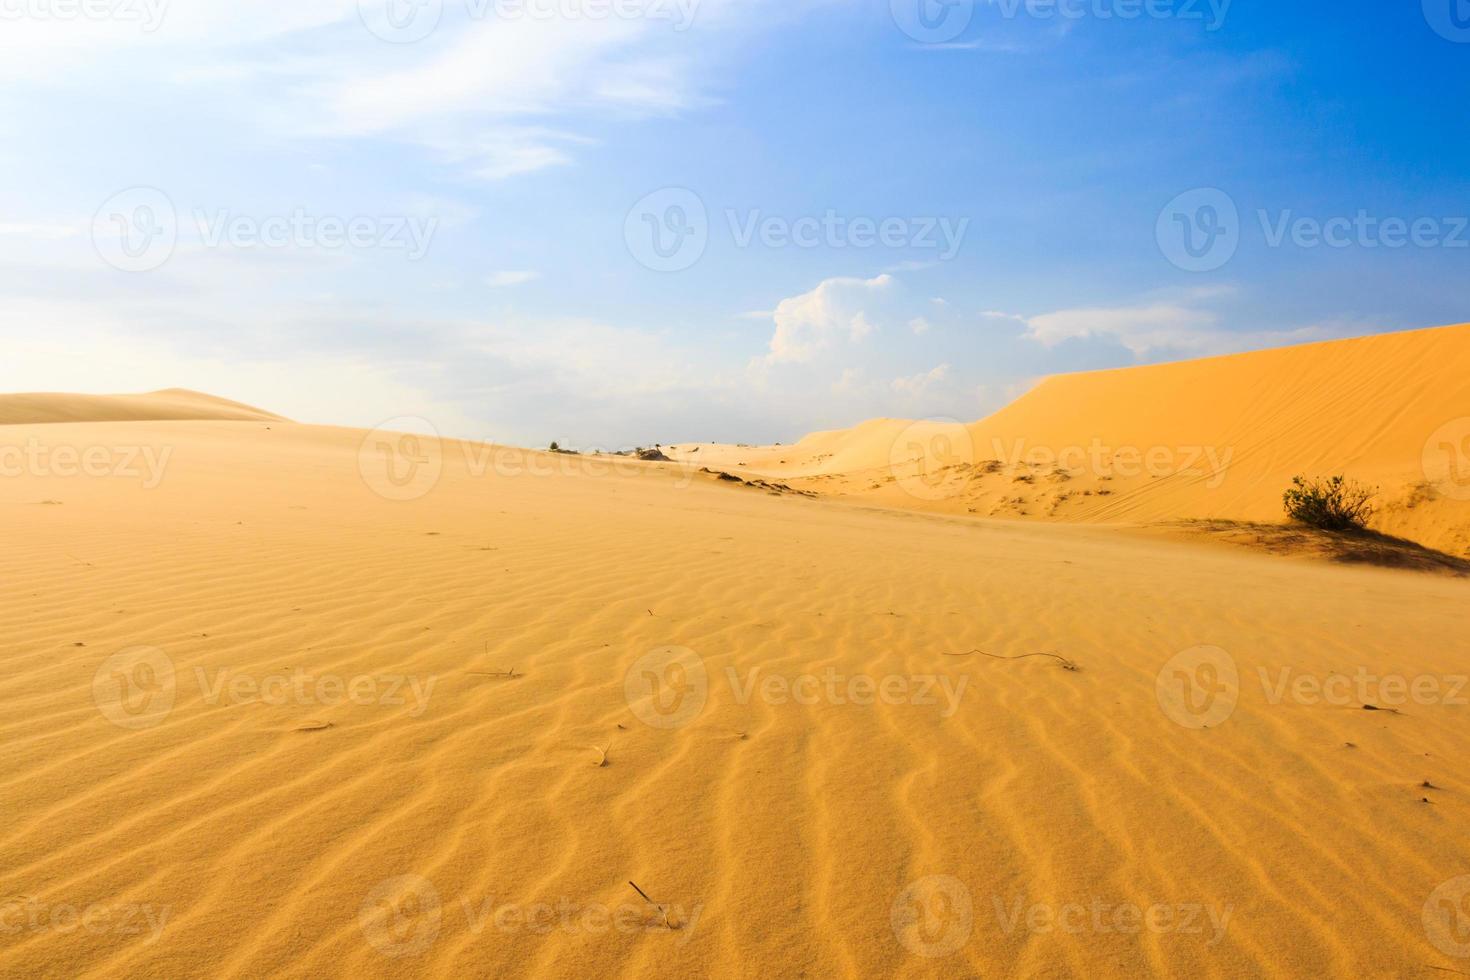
(861, 215)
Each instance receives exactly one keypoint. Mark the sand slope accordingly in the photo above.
(1214, 438)
(173, 403)
(394, 834)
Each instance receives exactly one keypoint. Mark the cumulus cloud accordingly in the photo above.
(916, 385)
(810, 323)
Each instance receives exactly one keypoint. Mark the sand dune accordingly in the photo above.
(174, 403)
(1218, 438)
(312, 703)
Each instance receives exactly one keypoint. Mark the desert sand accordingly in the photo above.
(289, 700)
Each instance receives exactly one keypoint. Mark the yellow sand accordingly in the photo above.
(208, 824)
(175, 403)
(1219, 438)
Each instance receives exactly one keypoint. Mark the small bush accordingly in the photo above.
(1333, 504)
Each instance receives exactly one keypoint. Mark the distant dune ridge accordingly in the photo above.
(173, 404)
(1218, 438)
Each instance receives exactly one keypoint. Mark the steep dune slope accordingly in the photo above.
(172, 404)
(1214, 438)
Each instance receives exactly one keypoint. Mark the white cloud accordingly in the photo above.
(1158, 327)
(916, 385)
(510, 277)
(47, 231)
(920, 326)
(502, 95)
(811, 322)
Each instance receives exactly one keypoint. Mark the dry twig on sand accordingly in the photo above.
(1071, 665)
(662, 910)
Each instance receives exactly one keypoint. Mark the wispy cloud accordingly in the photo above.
(511, 277)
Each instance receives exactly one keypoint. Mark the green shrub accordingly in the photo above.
(1333, 504)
